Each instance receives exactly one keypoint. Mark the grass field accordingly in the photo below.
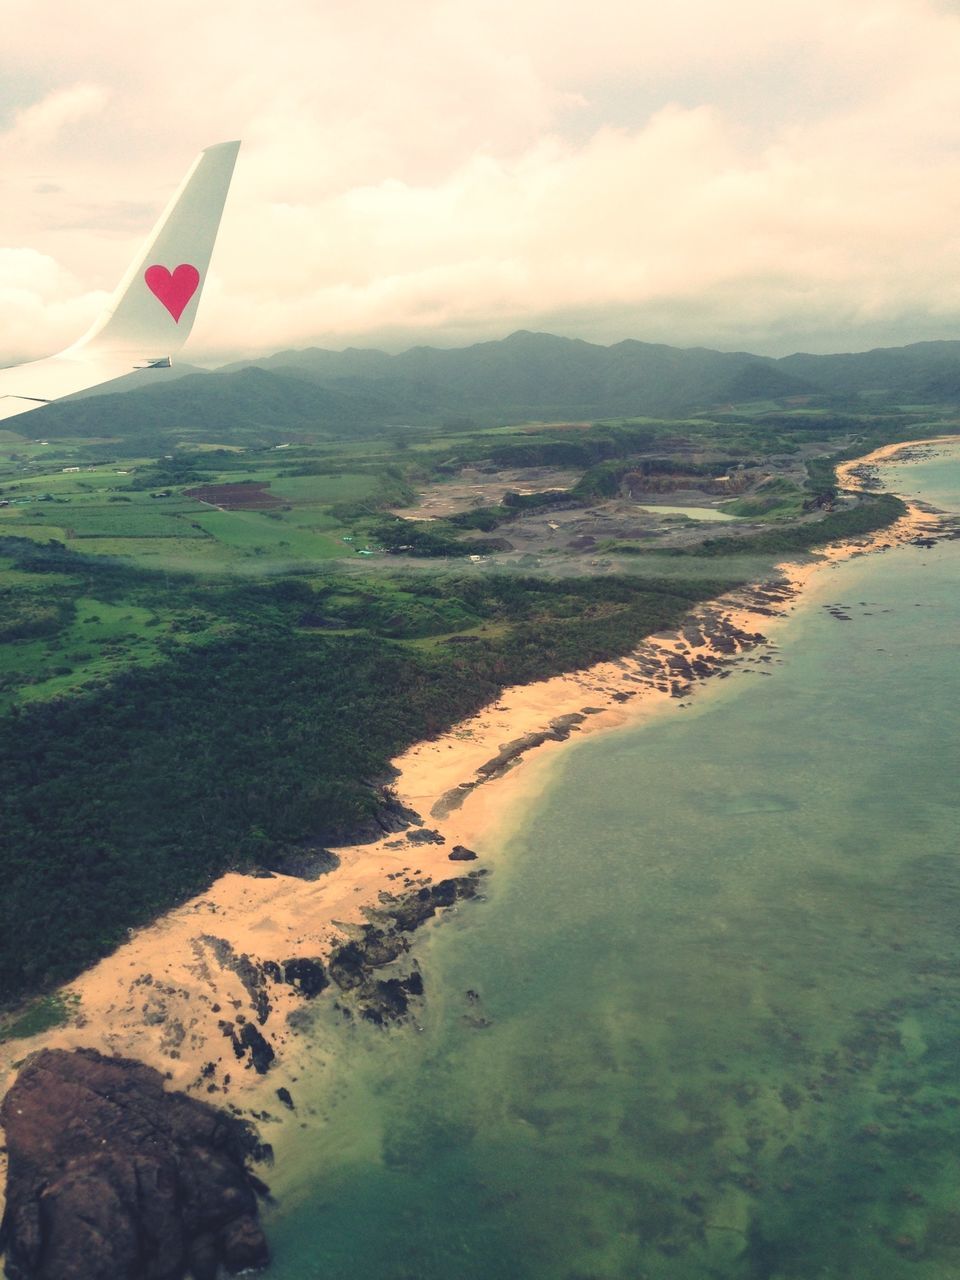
(257, 533)
(324, 490)
(96, 639)
(110, 508)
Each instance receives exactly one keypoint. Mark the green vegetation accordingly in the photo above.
(208, 651)
(228, 750)
(42, 1014)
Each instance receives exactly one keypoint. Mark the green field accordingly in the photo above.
(116, 510)
(258, 533)
(98, 640)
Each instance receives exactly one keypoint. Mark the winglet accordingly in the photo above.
(152, 312)
(153, 309)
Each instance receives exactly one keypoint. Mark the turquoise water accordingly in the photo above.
(721, 973)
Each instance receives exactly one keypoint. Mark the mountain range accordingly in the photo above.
(525, 376)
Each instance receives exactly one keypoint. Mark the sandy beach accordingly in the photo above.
(178, 994)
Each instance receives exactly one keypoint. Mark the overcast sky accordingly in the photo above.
(770, 175)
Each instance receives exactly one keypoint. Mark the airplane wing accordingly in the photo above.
(152, 311)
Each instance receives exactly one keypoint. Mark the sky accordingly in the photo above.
(763, 175)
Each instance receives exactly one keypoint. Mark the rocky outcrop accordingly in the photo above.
(387, 817)
(352, 965)
(307, 863)
(306, 976)
(559, 730)
(251, 975)
(248, 1040)
(460, 853)
(425, 835)
(113, 1178)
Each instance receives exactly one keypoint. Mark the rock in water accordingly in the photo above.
(112, 1178)
(460, 853)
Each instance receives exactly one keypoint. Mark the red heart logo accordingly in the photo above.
(174, 289)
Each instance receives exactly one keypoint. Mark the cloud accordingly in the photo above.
(36, 294)
(743, 174)
(37, 126)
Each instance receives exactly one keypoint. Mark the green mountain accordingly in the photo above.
(270, 405)
(532, 375)
(524, 376)
(922, 370)
(538, 373)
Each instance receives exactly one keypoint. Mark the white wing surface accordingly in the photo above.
(153, 309)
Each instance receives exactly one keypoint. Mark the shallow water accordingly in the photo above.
(694, 513)
(721, 972)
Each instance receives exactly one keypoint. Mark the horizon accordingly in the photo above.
(215, 365)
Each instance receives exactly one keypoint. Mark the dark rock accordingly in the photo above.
(425, 836)
(388, 1000)
(506, 757)
(388, 817)
(250, 1039)
(251, 975)
(385, 1001)
(414, 984)
(112, 1178)
(307, 976)
(381, 948)
(392, 816)
(304, 864)
(351, 965)
(446, 892)
(204, 1257)
(562, 726)
(243, 1245)
(284, 1095)
(460, 853)
(452, 799)
(347, 966)
(411, 912)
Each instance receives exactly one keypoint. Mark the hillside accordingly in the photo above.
(525, 376)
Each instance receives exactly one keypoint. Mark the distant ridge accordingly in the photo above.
(523, 376)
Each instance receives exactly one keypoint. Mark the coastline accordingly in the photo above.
(165, 996)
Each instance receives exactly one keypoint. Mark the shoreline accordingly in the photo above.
(220, 961)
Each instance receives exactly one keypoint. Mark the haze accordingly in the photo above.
(740, 175)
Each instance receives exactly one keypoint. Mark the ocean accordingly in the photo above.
(706, 1023)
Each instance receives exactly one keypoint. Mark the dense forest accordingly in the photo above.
(134, 795)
